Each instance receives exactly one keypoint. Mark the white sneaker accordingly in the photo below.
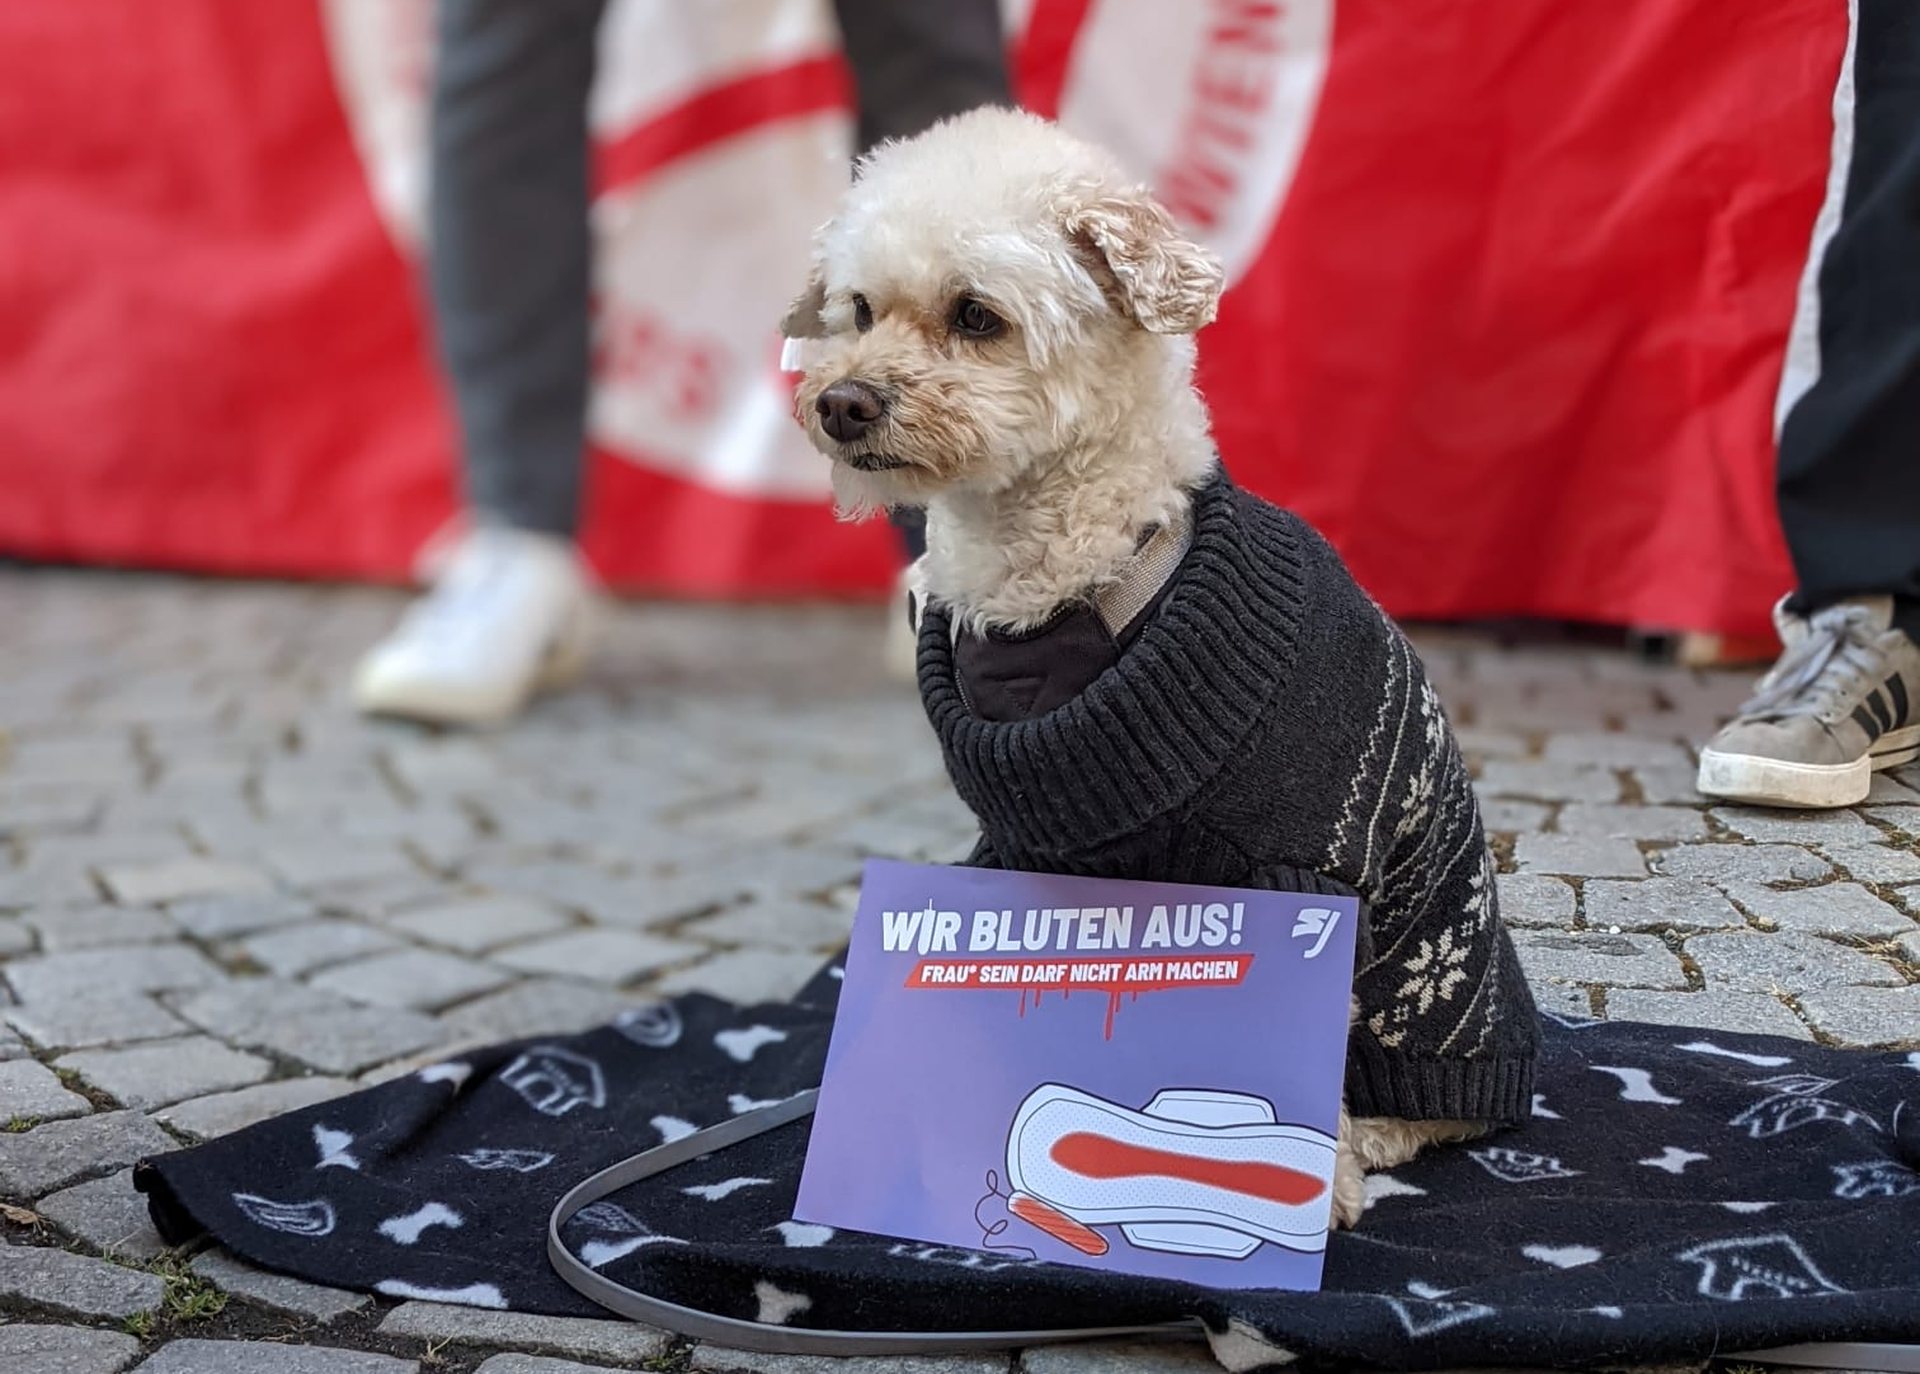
(507, 617)
(1842, 703)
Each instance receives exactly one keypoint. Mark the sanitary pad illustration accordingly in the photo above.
(1194, 1172)
(1132, 1077)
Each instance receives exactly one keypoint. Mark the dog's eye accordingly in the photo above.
(975, 320)
(862, 314)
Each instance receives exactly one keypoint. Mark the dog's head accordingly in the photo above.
(990, 291)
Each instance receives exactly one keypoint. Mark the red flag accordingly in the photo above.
(1510, 284)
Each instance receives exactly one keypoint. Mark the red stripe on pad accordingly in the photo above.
(1099, 1156)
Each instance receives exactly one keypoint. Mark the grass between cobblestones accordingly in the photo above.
(194, 1308)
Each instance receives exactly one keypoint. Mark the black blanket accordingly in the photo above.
(1676, 1193)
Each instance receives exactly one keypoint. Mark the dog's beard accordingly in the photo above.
(859, 495)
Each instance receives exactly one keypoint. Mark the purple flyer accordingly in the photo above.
(1141, 1077)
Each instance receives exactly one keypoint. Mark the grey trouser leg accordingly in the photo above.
(915, 62)
(510, 250)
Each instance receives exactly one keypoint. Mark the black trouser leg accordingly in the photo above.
(1849, 476)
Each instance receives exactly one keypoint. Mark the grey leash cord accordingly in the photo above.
(762, 1336)
(788, 1340)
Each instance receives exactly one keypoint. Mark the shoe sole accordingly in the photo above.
(563, 662)
(1761, 781)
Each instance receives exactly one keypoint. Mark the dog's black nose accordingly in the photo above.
(848, 410)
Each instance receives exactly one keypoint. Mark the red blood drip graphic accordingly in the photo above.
(1114, 994)
(1057, 1224)
(1099, 1156)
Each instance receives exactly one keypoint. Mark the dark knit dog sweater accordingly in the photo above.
(1269, 727)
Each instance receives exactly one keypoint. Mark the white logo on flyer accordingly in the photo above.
(1317, 922)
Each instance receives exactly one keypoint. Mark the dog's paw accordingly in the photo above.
(1349, 1183)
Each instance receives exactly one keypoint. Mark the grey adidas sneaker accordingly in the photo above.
(1843, 701)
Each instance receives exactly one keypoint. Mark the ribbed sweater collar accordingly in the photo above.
(1163, 722)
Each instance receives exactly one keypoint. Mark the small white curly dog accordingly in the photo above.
(1002, 332)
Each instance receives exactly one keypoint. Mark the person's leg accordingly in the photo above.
(1845, 697)
(913, 66)
(1849, 476)
(508, 273)
(916, 64)
(510, 250)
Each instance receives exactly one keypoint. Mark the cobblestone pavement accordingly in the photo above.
(223, 896)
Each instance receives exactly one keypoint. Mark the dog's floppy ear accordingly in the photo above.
(802, 320)
(1164, 280)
